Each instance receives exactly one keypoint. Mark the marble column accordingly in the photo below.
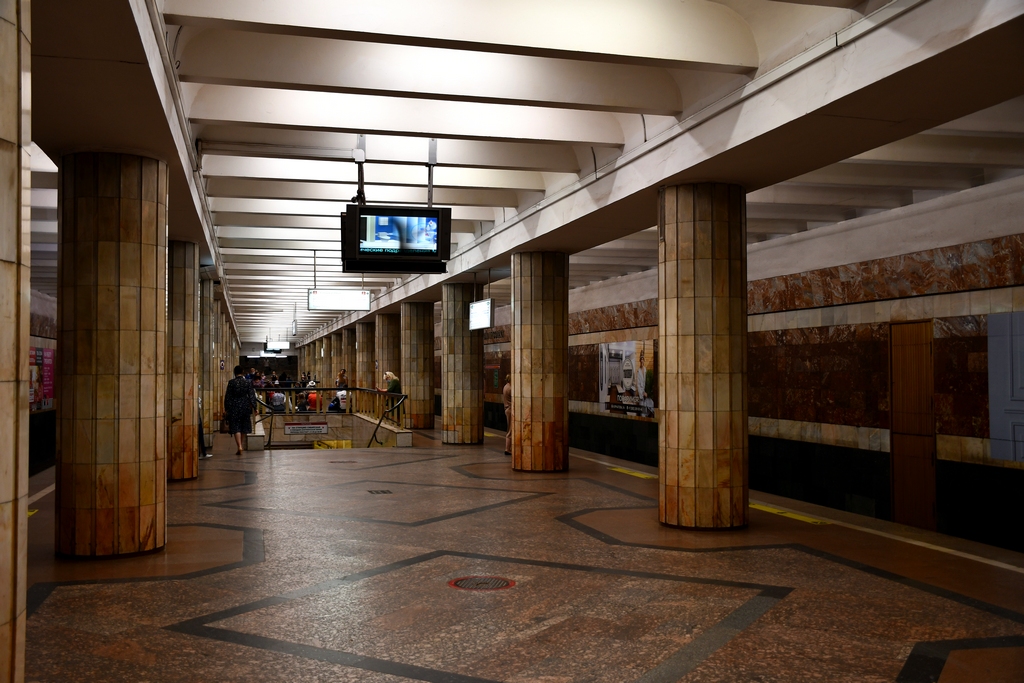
(365, 356)
(15, 264)
(702, 330)
(540, 361)
(462, 367)
(329, 373)
(112, 437)
(207, 359)
(418, 363)
(182, 360)
(348, 354)
(388, 335)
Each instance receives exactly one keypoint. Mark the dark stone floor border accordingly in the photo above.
(678, 664)
(253, 552)
(529, 495)
(927, 659)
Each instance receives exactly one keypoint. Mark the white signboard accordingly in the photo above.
(277, 345)
(481, 314)
(338, 300)
(305, 428)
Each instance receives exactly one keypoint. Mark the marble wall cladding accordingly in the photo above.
(960, 352)
(348, 354)
(970, 449)
(15, 315)
(702, 299)
(540, 361)
(462, 350)
(584, 373)
(973, 266)
(388, 341)
(417, 371)
(183, 365)
(111, 386)
(207, 359)
(497, 366)
(366, 354)
(847, 436)
(832, 375)
(43, 318)
(618, 317)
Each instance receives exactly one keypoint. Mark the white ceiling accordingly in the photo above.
(524, 98)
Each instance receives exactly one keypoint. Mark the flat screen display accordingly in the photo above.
(481, 314)
(338, 300)
(397, 235)
(276, 346)
(395, 239)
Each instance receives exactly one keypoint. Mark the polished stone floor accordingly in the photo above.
(327, 566)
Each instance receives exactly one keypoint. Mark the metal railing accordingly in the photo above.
(389, 408)
(290, 401)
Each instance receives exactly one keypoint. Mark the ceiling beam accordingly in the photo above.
(371, 114)
(225, 57)
(338, 192)
(269, 168)
(696, 34)
(390, 149)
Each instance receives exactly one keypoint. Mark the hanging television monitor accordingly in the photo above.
(395, 239)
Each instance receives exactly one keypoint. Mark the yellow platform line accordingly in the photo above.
(786, 513)
(633, 473)
(32, 512)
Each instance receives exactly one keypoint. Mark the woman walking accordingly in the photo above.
(239, 403)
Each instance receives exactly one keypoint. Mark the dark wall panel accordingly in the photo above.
(633, 440)
(842, 478)
(980, 503)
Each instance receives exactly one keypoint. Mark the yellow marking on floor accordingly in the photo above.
(487, 433)
(32, 512)
(785, 513)
(633, 473)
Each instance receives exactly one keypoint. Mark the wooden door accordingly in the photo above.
(912, 442)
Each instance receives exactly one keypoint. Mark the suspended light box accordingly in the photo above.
(277, 346)
(338, 300)
(481, 314)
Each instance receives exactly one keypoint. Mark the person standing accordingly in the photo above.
(342, 381)
(506, 398)
(239, 404)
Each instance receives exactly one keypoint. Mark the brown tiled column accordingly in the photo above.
(15, 246)
(330, 374)
(321, 359)
(348, 354)
(216, 390)
(365, 353)
(702, 327)
(207, 359)
(111, 469)
(388, 334)
(418, 363)
(462, 367)
(540, 361)
(182, 360)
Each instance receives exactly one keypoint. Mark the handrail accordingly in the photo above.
(373, 438)
(377, 403)
(268, 413)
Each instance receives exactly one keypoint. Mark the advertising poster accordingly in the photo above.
(40, 387)
(627, 378)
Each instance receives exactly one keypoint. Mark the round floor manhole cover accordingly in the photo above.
(481, 583)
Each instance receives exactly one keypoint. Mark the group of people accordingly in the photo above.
(240, 396)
